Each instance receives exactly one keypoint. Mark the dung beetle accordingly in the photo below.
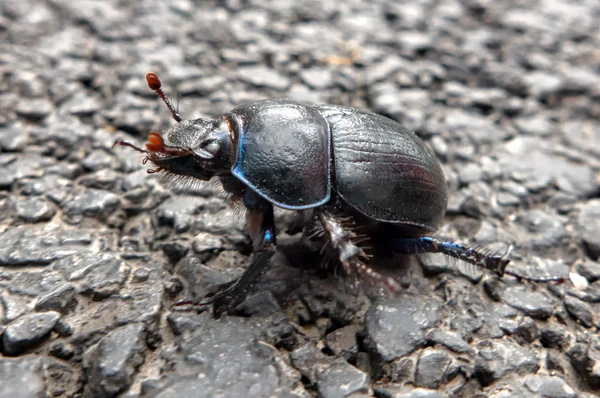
(341, 167)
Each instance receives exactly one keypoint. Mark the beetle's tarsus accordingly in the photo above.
(495, 263)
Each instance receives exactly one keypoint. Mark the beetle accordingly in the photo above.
(336, 165)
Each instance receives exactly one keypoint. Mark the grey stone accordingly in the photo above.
(34, 109)
(110, 366)
(102, 275)
(585, 358)
(554, 335)
(13, 138)
(27, 331)
(26, 246)
(264, 77)
(232, 357)
(589, 270)
(401, 391)
(342, 342)
(588, 227)
(317, 78)
(432, 368)
(395, 328)
(92, 203)
(550, 387)
(61, 299)
(98, 160)
(580, 310)
(496, 359)
(450, 340)
(34, 209)
(22, 377)
(340, 379)
(535, 304)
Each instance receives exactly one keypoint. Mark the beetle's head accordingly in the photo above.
(197, 148)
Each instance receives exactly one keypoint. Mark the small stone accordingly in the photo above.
(263, 76)
(62, 351)
(175, 251)
(395, 328)
(27, 331)
(450, 340)
(579, 282)
(535, 304)
(141, 275)
(60, 300)
(111, 365)
(93, 203)
(439, 146)
(34, 209)
(22, 377)
(590, 270)
(589, 227)
(34, 109)
(317, 78)
(13, 138)
(469, 173)
(102, 275)
(497, 358)
(585, 358)
(340, 379)
(580, 310)
(554, 335)
(342, 342)
(432, 368)
(402, 391)
(550, 387)
(98, 160)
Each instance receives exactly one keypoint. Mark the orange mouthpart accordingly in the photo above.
(155, 143)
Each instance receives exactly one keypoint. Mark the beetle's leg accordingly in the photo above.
(261, 228)
(494, 263)
(351, 256)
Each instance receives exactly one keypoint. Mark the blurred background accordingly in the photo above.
(93, 251)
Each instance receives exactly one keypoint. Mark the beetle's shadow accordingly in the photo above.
(313, 262)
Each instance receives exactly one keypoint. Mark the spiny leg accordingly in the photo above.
(261, 228)
(494, 263)
(352, 257)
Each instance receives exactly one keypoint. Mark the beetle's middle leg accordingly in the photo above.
(351, 256)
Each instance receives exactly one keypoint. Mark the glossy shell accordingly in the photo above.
(384, 170)
(283, 153)
(293, 155)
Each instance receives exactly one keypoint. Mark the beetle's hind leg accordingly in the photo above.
(352, 257)
(494, 263)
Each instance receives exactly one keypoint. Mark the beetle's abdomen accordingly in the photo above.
(384, 170)
(283, 152)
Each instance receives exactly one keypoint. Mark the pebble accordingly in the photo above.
(26, 332)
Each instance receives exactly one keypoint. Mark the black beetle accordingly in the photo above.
(335, 164)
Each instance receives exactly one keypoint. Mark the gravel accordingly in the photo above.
(94, 252)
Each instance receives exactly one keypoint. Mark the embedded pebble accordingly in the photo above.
(25, 332)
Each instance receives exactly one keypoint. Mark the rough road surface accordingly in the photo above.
(94, 252)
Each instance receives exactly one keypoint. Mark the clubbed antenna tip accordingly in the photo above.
(155, 85)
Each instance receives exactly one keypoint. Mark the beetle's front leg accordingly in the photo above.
(351, 256)
(261, 228)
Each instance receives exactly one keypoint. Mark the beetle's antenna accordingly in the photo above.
(155, 84)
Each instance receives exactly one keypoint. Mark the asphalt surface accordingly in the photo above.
(94, 251)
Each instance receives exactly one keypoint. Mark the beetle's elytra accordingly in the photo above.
(330, 162)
